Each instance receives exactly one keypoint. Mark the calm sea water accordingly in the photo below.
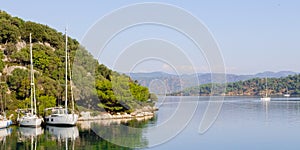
(242, 123)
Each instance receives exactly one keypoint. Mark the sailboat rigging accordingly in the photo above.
(4, 122)
(266, 97)
(30, 119)
(61, 116)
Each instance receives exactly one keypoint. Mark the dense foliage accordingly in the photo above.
(94, 85)
(256, 86)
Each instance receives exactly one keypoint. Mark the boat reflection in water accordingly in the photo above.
(4, 132)
(26, 134)
(63, 134)
(29, 132)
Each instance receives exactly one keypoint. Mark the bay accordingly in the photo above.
(242, 123)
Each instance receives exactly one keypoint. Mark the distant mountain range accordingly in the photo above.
(163, 83)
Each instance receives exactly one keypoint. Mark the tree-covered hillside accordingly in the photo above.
(94, 85)
(254, 87)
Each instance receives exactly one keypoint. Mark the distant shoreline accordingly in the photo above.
(275, 96)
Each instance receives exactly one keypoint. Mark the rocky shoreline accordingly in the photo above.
(139, 113)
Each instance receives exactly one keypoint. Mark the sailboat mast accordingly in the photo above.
(31, 76)
(66, 71)
(2, 107)
(71, 82)
(266, 87)
(34, 98)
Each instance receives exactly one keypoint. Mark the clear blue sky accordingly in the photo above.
(254, 36)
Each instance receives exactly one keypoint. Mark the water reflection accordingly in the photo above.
(85, 136)
(28, 132)
(119, 131)
(61, 133)
(4, 132)
(266, 108)
(27, 137)
(108, 122)
(64, 136)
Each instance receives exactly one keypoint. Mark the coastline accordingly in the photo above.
(144, 112)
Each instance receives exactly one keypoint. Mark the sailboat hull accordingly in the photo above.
(265, 99)
(30, 121)
(5, 123)
(61, 119)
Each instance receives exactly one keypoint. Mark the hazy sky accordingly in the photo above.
(253, 36)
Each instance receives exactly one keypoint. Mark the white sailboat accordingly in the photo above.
(266, 97)
(4, 122)
(61, 116)
(287, 93)
(30, 119)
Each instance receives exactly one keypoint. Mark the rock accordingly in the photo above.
(9, 70)
(2, 48)
(146, 112)
(85, 115)
(20, 45)
(127, 115)
(106, 116)
(139, 115)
